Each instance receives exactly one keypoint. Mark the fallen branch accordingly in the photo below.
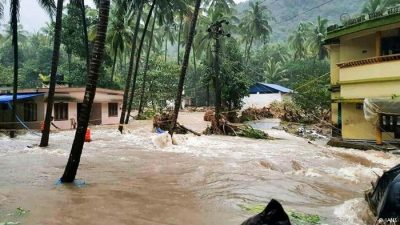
(187, 129)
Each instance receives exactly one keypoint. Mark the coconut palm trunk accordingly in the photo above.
(14, 28)
(179, 38)
(114, 63)
(53, 74)
(146, 67)
(130, 70)
(185, 64)
(249, 50)
(85, 34)
(139, 52)
(94, 72)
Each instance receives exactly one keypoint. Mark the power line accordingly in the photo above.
(304, 12)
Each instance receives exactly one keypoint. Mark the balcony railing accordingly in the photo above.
(368, 61)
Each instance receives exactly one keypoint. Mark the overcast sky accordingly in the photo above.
(32, 17)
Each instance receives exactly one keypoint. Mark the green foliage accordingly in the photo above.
(146, 115)
(310, 80)
(296, 218)
(250, 132)
(235, 83)
(162, 81)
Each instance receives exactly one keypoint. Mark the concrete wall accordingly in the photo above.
(106, 120)
(357, 48)
(72, 114)
(260, 100)
(370, 90)
(371, 72)
(334, 54)
(356, 127)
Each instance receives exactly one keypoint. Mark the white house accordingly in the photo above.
(262, 95)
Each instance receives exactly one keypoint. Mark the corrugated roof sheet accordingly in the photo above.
(9, 97)
(264, 88)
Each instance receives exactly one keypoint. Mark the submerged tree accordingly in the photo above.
(53, 74)
(185, 64)
(83, 120)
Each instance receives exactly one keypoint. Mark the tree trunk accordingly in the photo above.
(139, 52)
(208, 94)
(130, 70)
(14, 28)
(69, 56)
(146, 67)
(185, 64)
(85, 34)
(113, 68)
(166, 49)
(217, 81)
(194, 74)
(179, 38)
(44, 142)
(249, 50)
(83, 120)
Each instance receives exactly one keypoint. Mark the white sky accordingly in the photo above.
(32, 17)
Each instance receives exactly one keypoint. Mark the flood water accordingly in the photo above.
(203, 180)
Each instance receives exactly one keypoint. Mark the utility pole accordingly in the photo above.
(217, 32)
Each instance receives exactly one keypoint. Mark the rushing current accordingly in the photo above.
(130, 179)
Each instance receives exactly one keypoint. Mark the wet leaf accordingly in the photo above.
(20, 211)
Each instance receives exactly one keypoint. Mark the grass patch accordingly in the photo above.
(296, 218)
(249, 132)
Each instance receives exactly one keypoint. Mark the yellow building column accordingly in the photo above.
(378, 44)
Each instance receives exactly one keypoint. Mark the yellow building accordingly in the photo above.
(365, 68)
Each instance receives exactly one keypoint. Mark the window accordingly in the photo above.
(391, 45)
(112, 109)
(30, 112)
(61, 111)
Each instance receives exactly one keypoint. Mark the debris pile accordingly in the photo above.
(164, 122)
(224, 127)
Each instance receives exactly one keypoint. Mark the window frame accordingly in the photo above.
(112, 112)
(30, 112)
(58, 114)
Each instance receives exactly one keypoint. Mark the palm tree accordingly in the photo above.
(297, 41)
(169, 36)
(185, 64)
(128, 82)
(139, 52)
(14, 28)
(255, 24)
(54, 64)
(316, 37)
(119, 29)
(81, 5)
(219, 6)
(141, 102)
(372, 6)
(14, 8)
(94, 72)
(273, 72)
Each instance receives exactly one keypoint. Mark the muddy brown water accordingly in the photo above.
(204, 180)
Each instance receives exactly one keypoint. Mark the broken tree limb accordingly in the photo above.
(188, 130)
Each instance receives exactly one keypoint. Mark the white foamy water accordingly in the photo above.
(202, 178)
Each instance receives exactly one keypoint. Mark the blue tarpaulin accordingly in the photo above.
(4, 99)
(263, 88)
